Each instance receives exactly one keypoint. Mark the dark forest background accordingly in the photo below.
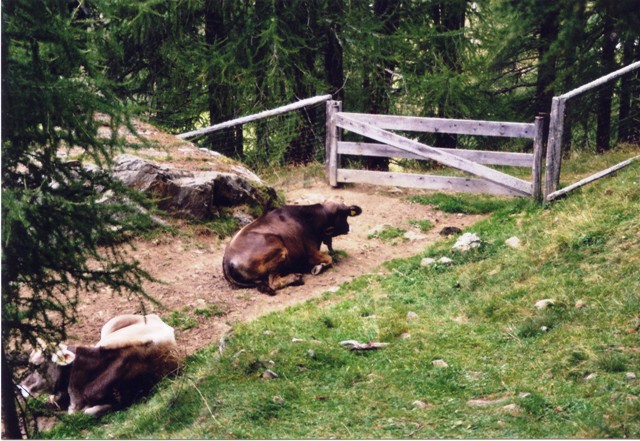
(194, 63)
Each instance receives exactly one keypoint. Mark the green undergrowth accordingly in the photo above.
(512, 370)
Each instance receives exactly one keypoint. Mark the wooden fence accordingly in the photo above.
(389, 144)
(256, 116)
(556, 128)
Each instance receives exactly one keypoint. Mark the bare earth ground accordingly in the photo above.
(189, 266)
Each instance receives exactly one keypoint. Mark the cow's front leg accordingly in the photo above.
(319, 262)
(328, 241)
(97, 410)
(277, 281)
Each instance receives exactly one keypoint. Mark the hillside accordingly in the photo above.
(471, 352)
(186, 259)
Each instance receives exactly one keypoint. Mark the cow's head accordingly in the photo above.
(337, 218)
(49, 375)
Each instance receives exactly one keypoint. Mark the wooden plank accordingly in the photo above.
(479, 156)
(331, 148)
(554, 146)
(427, 182)
(433, 153)
(587, 180)
(556, 126)
(256, 116)
(600, 81)
(444, 125)
(536, 170)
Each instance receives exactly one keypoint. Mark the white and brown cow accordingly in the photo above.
(133, 354)
(276, 249)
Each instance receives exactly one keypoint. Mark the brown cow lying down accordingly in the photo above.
(276, 249)
(133, 354)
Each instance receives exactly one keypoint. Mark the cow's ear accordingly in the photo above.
(63, 357)
(354, 210)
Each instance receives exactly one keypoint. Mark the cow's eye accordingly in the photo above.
(329, 231)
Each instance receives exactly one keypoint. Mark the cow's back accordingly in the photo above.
(117, 376)
(134, 329)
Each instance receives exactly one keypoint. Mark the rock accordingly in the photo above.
(419, 404)
(512, 409)
(242, 216)
(590, 376)
(544, 329)
(485, 401)
(412, 316)
(445, 261)
(440, 363)
(278, 399)
(513, 242)
(461, 319)
(296, 340)
(269, 375)
(467, 241)
(580, 304)
(413, 236)
(427, 261)
(524, 395)
(448, 231)
(197, 195)
(630, 376)
(544, 303)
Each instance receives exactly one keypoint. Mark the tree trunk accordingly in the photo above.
(333, 63)
(547, 35)
(575, 35)
(387, 14)
(609, 40)
(301, 22)
(10, 421)
(219, 95)
(448, 18)
(262, 12)
(624, 115)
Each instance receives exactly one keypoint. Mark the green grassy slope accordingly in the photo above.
(512, 370)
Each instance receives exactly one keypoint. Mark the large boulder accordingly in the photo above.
(194, 194)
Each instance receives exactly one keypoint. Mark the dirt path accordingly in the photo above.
(191, 274)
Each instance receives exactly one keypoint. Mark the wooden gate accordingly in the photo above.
(376, 127)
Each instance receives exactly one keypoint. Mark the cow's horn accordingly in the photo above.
(63, 357)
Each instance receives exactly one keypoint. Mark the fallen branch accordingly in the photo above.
(354, 345)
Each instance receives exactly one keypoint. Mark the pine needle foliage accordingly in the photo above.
(63, 224)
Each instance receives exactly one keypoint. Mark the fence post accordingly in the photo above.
(331, 146)
(554, 147)
(538, 137)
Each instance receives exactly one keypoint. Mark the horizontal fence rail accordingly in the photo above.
(487, 180)
(443, 125)
(479, 156)
(257, 116)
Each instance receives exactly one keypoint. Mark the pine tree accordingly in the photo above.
(59, 237)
